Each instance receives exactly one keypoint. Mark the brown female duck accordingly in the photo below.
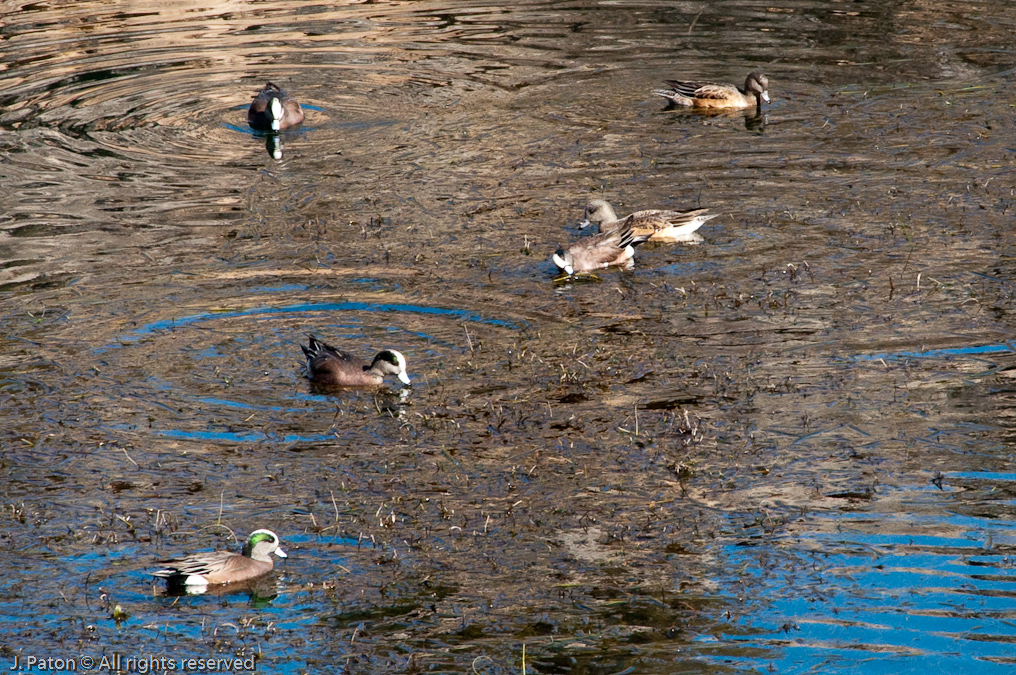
(614, 247)
(712, 95)
(658, 225)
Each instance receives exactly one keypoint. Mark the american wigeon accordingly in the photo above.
(711, 95)
(328, 365)
(224, 567)
(273, 110)
(615, 247)
(658, 225)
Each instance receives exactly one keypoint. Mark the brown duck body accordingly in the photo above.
(614, 247)
(273, 110)
(712, 95)
(330, 366)
(224, 567)
(657, 225)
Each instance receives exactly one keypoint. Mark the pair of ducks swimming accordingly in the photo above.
(273, 110)
(618, 237)
(326, 365)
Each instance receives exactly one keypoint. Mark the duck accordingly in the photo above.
(224, 567)
(328, 365)
(614, 247)
(659, 225)
(712, 95)
(273, 110)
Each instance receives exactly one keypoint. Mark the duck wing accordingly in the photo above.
(318, 349)
(705, 90)
(201, 564)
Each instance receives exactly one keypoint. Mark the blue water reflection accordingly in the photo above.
(1006, 348)
(172, 324)
(872, 602)
(239, 436)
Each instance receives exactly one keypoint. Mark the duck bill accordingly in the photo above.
(404, 378)
(765, 96)
(279, 552)
(583, 224)
(562, 264)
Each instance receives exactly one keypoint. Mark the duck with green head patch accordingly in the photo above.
(224, 567)
(330, 366)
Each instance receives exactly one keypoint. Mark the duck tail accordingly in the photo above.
(313, 347)
(640, 239)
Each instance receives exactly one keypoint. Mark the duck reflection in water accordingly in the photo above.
(756, 122)
(273, 144)
(754, 119)
(259, 592)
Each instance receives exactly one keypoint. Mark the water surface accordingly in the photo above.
(785, 449)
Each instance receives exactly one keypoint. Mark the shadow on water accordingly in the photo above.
(785, 449)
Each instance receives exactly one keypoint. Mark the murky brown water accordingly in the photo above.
(787, 448)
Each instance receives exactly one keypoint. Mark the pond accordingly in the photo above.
(787, 448)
